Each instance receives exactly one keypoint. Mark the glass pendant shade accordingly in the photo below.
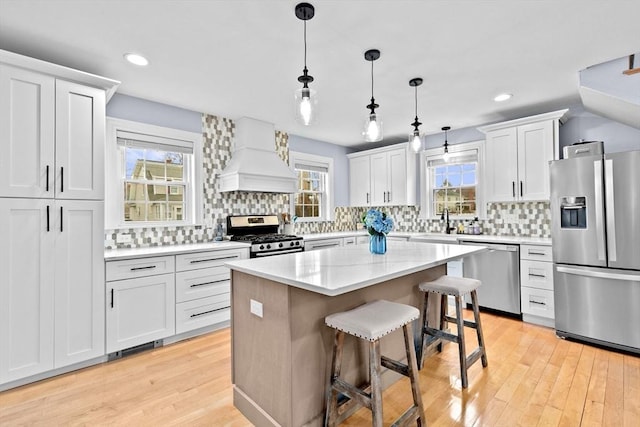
(373, 128)
(306, 106)
(416, 142)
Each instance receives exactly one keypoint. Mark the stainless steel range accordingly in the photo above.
(262, 232)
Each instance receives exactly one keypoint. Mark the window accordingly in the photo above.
(153, 177)
(453, 184)
(313, 201)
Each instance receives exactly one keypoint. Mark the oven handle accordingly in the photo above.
(288, 251)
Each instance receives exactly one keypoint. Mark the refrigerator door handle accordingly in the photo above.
(610, 205)
(599, 274)
(599, 203)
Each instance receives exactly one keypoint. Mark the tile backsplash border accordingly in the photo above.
(508, 219)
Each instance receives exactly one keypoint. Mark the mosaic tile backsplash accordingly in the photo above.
(507, 219)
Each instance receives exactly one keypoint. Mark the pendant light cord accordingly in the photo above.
(305, 44)
(371, 81)
(416, 95)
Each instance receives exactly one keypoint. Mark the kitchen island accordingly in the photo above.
(281, 348)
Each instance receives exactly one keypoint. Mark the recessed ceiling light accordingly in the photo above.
(502, 97)
(136, 59)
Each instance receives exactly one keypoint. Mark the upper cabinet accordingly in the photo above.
(383, 176)
(517, 157)
(52, 130)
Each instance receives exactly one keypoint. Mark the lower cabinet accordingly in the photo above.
(152, 298)
(313, 245)
(52, 285)
(140, 310)
(536, 281)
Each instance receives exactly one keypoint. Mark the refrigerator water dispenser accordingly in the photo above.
(573, 212)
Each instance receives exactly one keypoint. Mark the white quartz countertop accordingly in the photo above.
(344, 269)
(130, 253)
(438, 237)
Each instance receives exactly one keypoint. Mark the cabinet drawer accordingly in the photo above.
(363, 240)
(139, 267)
(349, 241)
(536, 274)
(538, 302)
(202, 312)
(202, 283)
(208, 259)
(322, 244)
(536, 253)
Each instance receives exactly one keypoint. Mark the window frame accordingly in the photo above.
(426, 185)
(327, 214)
(114, 173)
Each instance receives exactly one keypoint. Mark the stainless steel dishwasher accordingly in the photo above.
(499, 271)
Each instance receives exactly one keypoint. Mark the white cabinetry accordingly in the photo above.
(383, 177)
(203, 289)
(51, 217)
(141, 305)
(51, 297)
(52, 132)
(312, 245)
(536, 281)
(517, 157)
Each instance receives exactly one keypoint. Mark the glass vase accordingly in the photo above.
(378, 243)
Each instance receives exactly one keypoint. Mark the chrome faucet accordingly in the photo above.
(445, 217)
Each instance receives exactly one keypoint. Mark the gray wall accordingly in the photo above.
(140, 110)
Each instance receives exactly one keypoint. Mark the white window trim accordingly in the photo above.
(320, 161)
(426, 205)
(114, 191)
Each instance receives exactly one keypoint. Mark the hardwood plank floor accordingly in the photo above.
(533, 379)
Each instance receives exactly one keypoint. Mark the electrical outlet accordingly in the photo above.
(256, 308)
(123, 238)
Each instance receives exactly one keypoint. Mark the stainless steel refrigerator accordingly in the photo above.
(595, 208)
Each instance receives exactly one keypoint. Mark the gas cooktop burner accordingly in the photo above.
(261, 232)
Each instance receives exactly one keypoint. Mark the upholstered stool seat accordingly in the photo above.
(371, 322)
(457, 287)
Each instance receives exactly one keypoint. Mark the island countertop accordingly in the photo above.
(344, 269)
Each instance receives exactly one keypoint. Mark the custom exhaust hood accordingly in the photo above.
(255, 165)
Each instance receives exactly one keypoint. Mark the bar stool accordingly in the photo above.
(456, 287)
(371, 322)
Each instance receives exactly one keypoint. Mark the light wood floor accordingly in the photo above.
(533, 379)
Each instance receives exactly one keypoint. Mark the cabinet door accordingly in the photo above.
(80, 134)
(397, 177)
(79, 281)
(535, 151)
(378, 179)
(359, 188)
(501, 172)
(139, 311)
(26, 289)
(27, 102)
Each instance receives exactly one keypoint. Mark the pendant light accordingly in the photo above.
(306, 98)
(373, 124)
(415, 140)
(446, 154)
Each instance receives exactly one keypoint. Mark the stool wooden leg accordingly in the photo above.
(331, 413)
(461, 347)
(476, 315)
(423, 335)
(413, 372)
(444, 303)
(376, 383)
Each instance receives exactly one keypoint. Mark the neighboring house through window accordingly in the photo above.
(314, 199)
(153, 175)
(454, 183)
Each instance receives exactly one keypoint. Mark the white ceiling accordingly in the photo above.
(242, 58)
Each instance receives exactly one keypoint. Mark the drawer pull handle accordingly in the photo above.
(326, 245)
(195, 285)
(537, 275)
(537, 302)
(536, 253)
(195, 261)
(207, 312)
(148, 267)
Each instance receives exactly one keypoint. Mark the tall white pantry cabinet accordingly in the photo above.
(52, 133)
